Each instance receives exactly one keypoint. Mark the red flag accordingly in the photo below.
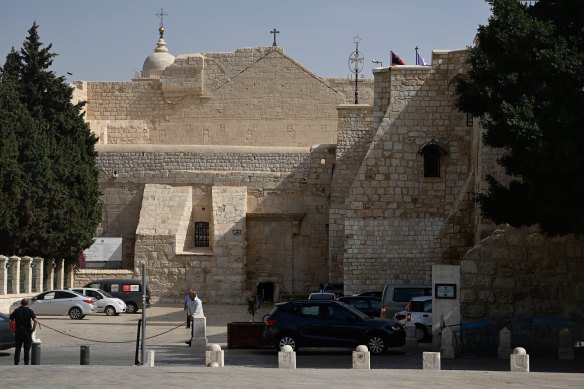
(396, 60)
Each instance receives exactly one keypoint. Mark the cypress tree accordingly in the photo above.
(58, 192)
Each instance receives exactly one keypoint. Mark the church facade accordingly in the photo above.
(224, 170)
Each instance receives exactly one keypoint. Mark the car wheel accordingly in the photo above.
(75, 313)
(110, 311)
(376, 344)
(131, 308)
(287, 340)
(420, 333)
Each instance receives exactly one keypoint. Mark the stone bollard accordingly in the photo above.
(150, 359)
(214, 356)
(430, 361)
(199, 340)
(447, 347)
(287, 358)
(504, 344)
(566, 348)
(519, 360)
(361, 358)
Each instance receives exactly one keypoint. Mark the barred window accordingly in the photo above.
(469, 119)
(201, 234)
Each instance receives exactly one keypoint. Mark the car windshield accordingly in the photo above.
(106, 294)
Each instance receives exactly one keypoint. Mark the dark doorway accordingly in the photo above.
(268, 288)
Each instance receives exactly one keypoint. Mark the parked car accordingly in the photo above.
(128, 290)
(374, 293)
(396, 297)
(105, 302)
(369, 305)
(328, 323)
(6, 335)
(337, 289)
(419, 314)
(60, 302)
(321, 296)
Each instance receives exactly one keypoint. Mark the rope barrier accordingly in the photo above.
(116, 342)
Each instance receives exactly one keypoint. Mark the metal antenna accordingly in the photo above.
(356, 63)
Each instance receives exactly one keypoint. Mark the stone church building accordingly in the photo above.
(222, 170)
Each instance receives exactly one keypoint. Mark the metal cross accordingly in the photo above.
(162, 14)
(274, 31)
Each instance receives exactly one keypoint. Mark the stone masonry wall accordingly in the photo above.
(398, 222)
(355, 132)
(520, 273)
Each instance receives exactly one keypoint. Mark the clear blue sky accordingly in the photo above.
(106, 40)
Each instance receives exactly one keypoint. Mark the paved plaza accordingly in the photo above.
(176, 364)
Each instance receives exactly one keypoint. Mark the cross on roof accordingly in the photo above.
(162, 14)
(274, 31)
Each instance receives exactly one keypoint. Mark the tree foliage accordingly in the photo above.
(48, 179)
(527, 83)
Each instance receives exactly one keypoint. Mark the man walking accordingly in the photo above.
(23, 316)
(194, 309)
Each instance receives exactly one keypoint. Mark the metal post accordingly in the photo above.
(136, 360)
(84, 355)
(417, 62)
(143, 350)
(35, 357)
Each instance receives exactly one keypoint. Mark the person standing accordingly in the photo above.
(187, 297)
(194, 309)
(25, 325)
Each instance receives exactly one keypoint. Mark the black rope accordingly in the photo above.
(105, 341)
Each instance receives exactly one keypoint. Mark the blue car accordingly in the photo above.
(6, 335)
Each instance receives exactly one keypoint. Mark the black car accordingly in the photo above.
(369, 305)
(328, 324)
(6, 335)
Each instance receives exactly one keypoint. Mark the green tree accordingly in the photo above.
(527, 83)
(53, 186)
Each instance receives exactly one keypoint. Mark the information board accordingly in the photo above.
(104, 250)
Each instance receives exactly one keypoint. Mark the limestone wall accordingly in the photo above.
(396, 216)
(161, 194)
(520, 273)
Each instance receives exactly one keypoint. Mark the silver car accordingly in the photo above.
(60, 302)
(105, 302)
(6, 335)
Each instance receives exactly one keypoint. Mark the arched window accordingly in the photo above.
(432, 153)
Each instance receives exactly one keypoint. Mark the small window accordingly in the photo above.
(432, 162)
(469, 119)
(201, 234)
(432, 153)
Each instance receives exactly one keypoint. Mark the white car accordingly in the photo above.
(105, 302)
(60, 302)
(418, 313)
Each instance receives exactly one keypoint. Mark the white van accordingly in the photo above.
(396, 297)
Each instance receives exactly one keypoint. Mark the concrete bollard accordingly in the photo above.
(214, 356)
(504, 343)
(150, 359)
(430, 361)
(287, 358)
(361, 358)
(199, 340)
(566, 348)
(447, 346)
(519, 360)
(35, 356)
(84, 355)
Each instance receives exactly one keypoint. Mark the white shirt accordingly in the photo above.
(195, 307)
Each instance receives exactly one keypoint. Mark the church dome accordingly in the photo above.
(156, 62)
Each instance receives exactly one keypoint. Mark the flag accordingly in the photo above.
(396, 60)
(420, 60)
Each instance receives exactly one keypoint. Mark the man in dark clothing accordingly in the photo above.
(23, 316)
